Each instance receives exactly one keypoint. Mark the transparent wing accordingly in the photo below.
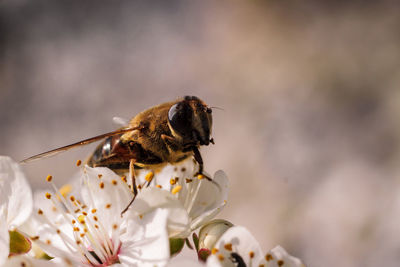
(54, 152)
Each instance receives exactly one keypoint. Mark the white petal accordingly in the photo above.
(211, 198)
(176, 262)
(213, 261)
(27, 261)
(4, 239)
(278, 253)
(150, 246)
(98, 193)
(243, 243)
(150, 199)
(15, 190)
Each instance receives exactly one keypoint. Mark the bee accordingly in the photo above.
(167, 133)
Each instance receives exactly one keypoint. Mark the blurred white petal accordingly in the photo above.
(278, 256)
(237, 244)
(176, 262)
(4, 240)
(26, 261)
(15, 192)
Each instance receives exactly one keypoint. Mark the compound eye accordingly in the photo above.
(180, 118)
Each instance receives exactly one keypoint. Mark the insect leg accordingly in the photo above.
(134, 187)
(132, 176)
(199, 159)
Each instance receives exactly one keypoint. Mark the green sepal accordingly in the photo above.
(46, 257)
(196, 241)
(176, 245)
(19, 244)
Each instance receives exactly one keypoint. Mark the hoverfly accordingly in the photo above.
(167, 133)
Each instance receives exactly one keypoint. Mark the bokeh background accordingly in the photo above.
(309, 134)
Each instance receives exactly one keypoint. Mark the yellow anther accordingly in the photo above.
(228, 246)
(176, 189)
(65, 190)
(159, 186)
(114, 182)
(214, 251)
(94, 210)
(49, 178)
(149, 176)
(78, 162)
(123, 178)
(81, 219)
(251, 254)
(221, 257)
(48, 195)
(172, 181)
(200, 176)
(108, 206)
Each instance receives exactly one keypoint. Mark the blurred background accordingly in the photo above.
(309, 135)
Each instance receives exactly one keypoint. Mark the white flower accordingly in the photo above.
(27, 261)
(15, 202)
(177, 262)
(237, 247)
(91, 232)
(193, 200)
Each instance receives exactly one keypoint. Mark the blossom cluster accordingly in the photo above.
(82, 223)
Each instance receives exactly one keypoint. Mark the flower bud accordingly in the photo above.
(211, 232)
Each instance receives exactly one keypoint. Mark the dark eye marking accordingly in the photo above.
(180, 118)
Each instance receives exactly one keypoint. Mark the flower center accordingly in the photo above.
(107, 261)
